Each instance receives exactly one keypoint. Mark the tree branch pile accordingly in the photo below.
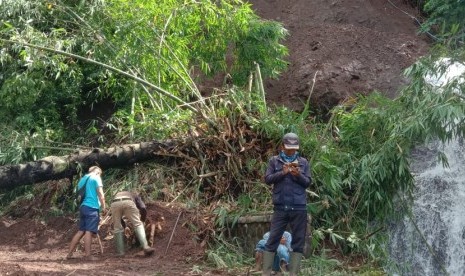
(219, 164)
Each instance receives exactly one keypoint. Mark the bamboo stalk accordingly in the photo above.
(112, 47)
(254, 219)
(261, 89)
(249, 94)
(111, 68)
(133, 103)
(307, 106)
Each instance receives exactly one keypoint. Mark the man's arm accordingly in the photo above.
(141, 206)
(101, 197)
(303, 176)
(272, 175)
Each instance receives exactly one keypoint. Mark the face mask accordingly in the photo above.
(288, 159)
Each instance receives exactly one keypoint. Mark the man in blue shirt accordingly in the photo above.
(89, 217)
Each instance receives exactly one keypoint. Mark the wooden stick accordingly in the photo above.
(172, 233)
(152, 234)
(100, 243)
(102, 222)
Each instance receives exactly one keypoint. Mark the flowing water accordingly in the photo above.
(431, 240)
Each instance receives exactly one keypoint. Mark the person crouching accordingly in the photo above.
(131, 206)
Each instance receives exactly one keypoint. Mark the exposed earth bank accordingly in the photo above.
(347, 46)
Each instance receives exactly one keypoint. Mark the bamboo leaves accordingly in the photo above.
(162, 49)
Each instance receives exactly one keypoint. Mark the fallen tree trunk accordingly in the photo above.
(59, 167)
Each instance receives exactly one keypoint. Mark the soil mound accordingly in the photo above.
(348, 47)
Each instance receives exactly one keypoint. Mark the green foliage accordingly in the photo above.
(184, 41)
(226, 254)
(446, 17)
(260, 44)
(39, 90)
(322, 265)
(17, 146)
(151, 124)
(433, 110)
(173, 44)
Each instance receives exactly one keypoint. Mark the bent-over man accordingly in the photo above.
(131, 206)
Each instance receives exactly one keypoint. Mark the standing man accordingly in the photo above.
(131, 206)
(89, 217)
(290, 176)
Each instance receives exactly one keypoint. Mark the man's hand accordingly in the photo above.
(286, 168)
(291, 168)
(104, 211)
(295, 170)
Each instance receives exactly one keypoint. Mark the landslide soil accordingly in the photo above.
(348, 47)
(39, 247)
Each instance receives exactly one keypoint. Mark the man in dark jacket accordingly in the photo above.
(290, 176)
(131, 206)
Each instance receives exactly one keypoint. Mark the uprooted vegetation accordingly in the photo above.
(208, 171)
(215, 176)
(210, 176)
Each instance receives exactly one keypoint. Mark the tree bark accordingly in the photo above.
(58, 167)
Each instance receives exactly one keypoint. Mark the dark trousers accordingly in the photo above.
(297, 221)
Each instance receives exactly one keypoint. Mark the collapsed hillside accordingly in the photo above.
(349, 47)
